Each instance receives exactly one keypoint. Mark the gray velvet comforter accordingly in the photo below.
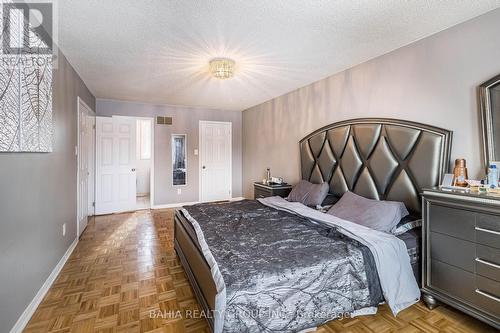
(281, 272)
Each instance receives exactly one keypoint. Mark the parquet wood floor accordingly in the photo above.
(125, 265)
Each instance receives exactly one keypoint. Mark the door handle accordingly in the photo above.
(203, 167)
(133, 170)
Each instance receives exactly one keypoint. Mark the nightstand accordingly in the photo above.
(261, 190)
(461, 252)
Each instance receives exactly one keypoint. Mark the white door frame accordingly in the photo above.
(152, 166)
(200, 152)
(79, 101)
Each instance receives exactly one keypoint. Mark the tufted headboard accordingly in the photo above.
(384, 159)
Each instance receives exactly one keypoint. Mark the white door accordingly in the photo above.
(116, 164)
(85, 154)
(126, 164)
(105, 165)
(215, 161)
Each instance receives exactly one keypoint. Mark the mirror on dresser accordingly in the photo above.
(489, 99)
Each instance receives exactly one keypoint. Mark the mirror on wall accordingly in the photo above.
(489, 95)
(179, 161)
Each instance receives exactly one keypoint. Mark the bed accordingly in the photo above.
(241, 255)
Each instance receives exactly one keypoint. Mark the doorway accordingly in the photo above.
(124, 164)
(144, 170)
(115, 164)
(215, 160)
(85, 165)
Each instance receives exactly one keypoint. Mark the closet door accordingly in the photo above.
(116, 163)
(215, 160)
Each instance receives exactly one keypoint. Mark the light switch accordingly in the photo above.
(196, 151)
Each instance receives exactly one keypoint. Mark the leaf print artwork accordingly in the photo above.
(26, 123)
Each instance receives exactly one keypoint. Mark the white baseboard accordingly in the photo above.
(30, 310)
(180, 204)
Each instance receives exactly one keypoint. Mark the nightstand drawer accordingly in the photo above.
(259, 192)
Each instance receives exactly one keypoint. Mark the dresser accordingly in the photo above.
(461, 252)
(261, 190)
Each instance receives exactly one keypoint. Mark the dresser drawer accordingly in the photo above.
(453, 251)
(488, 253)
(466, 255)
(452, 280)
(452, 221)
(487, 295)
(490, 222)
(485, 235)
(487, 265)
(476, 291)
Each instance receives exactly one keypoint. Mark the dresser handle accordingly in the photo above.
(487, 263)
(488, 230)
(488, 295)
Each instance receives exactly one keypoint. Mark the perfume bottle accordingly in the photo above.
(460, 172)
(268, 175)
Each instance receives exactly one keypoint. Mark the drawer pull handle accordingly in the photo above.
(488, 230)
(487, 263)
(488, 295)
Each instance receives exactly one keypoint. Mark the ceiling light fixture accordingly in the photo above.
(222, 68)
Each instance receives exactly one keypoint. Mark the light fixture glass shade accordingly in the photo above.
(222, 68)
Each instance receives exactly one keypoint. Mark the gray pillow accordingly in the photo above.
(374, 214)
(308, 193)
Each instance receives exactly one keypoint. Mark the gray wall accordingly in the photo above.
(37, 196)
(431, 81)
(185, 121)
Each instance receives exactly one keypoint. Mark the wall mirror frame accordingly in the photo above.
(179, 159)
(489, 100)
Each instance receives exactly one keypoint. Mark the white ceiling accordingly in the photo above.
(157, 51)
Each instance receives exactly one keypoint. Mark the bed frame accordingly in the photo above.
(385, 159)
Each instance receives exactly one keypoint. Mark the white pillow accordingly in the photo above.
(374, 214)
